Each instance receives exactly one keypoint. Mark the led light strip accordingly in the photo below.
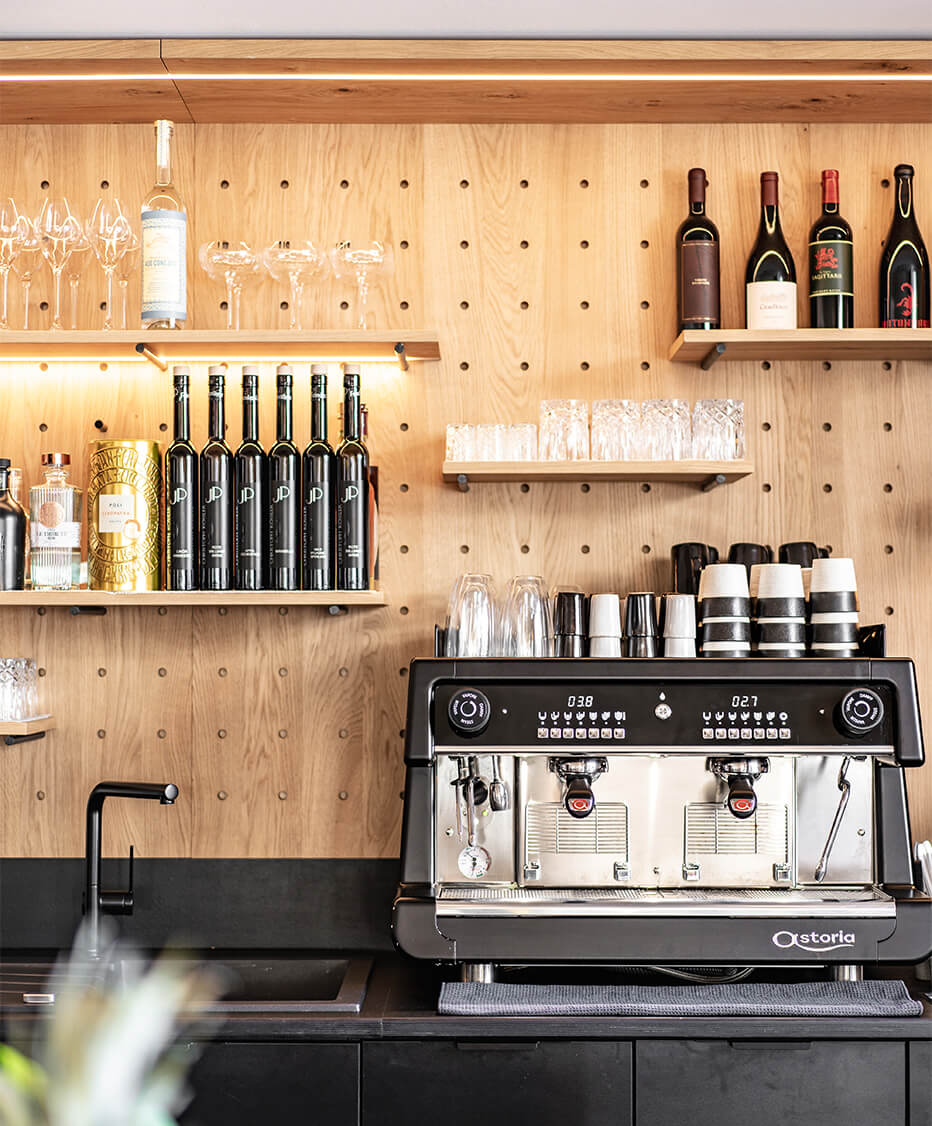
(366, 76)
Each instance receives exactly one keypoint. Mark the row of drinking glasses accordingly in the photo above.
(57, 235)
(479, 625)
(495, 442)
(19, 688)
(298, 263)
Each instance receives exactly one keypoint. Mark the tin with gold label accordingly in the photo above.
(124, 489)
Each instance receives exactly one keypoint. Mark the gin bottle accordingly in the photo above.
(55, 527)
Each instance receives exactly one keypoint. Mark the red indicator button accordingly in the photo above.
(741, 804)
(581, 805)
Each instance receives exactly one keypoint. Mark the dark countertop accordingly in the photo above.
(401, 1004)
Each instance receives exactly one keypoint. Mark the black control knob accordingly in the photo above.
(579, 800)
(859, 713)
(741, 800)
(469, 711)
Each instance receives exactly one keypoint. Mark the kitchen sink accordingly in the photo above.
(266, 983)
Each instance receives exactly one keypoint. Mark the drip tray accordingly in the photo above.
(734, 902)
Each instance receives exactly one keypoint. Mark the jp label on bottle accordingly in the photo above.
(164, 265)
(831, 268)
(771, 305)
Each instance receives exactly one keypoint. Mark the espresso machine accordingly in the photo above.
(661, 812)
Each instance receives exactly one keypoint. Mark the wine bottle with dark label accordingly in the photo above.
(181, 493)
(373, 503)
(697, 250)
(285, 491)
(318, 514)
(12, 534)
(252, 493)
(218, 501)
(352, 491)
(770, 278)
(904, 264)
(831, 262)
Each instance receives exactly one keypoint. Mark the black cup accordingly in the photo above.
(800, 552)
(571, 614)
(570, 645)
(640, 647)
(834, 633)
(641, 615)
(688, 561)
(781, 608)
(726, 631)
(749, 554)
(833, 602)
(724, 607)
(781, 633)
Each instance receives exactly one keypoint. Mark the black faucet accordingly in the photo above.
(113, 902)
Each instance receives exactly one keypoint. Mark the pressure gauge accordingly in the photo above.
(474, 862)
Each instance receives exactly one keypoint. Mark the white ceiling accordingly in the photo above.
(507, 19)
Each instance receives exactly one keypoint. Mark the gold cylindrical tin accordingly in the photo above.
(124, 489)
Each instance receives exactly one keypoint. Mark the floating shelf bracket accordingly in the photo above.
(336, 611)
(402, 355)
(713, 482)
(153, 357)
(12, 740)
(462, 482)
(712, 355)
(93, 611)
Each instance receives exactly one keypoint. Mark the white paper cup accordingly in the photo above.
(780, 580)
(679, 615)
(833, 574)
(605, 616)
(724, 580)
(679, 647)
(604, 646)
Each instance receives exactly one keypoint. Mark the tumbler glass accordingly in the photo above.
(564, 430)
(718, 429)
(667, 429)
(616, 430)
(472, 617)
(527, 625)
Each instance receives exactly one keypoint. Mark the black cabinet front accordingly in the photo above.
(463, 1083)
(770, 1083)
(278, 1084)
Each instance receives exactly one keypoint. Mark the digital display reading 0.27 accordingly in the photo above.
(579, 701)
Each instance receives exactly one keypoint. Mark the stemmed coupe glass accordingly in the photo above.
(13, 229)
(125, 270)
(26, 262)
(233, 264)
(297, 263)
(77, 263)
(59, 231)
(111, 234)
(367, 264)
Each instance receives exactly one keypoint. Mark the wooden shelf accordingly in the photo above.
(13, 731)
(705, 348)
(412, 81)
(216, 345)
(95, 599)
(708, 474)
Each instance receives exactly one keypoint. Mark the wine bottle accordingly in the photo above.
(164, 245)
(373, 502)
(317, 510)
(12, 535)
(285, 492)
(218, 512)
(770, 278)
(181, 499)
(697, 269)
(252, 493)
(831, 262)
(352, 491)
(904, 264)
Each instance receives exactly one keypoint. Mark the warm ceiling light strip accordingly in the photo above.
(394, 76)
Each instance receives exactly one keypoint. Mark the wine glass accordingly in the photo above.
(298, 263)
(110, 233)
(233, 264)
(26, 262)
(129, 263)
(368, 264)
(77, 263)
(59, 230)
(13, 228)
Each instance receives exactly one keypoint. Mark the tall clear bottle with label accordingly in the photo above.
(217, 494)
(770, 278)
(352, 491)
(181, 493)
(285, 491)
(55, 527)
(164, 242)
(252, 493)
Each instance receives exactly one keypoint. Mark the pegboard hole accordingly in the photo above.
(888, 610)
(403, 672)
(464, 304)
(283, 305)
(162, 733)
(404, 549)
(888, 488)
(464, 548)
(585, 549)
(344, 184)
(403, 184)
(283, 611)
(101, 672)
(42, 672)
(40, 794)
(464, 245)
(403, 305)
(99, 424)
(766, 487)
(222, 795)
(646, 548)
(44, 185)
(221, 672)
(344, 304)
(524, 365)
(282, 795)
(885, 183)
(522, 183)
(224, 184)
(584, 366)
(343, 671)
(103, 367)
(826, 426)
(464, 366)
(105, 184)
(524, 244)
(645, 487)
(40, 610)
(645, 366)
(765, 365)
(163, 672)
(886, 365)
(525, 549)
(284, 185)
(222, 611)
(765, 426)
(584, 304)
(283, 671)
(43, 426)
(888, 426)
(644, 244)
(403, 610)
(403, 488)
(163, 610)
(403, 426)
(584, 183)
(826, 366)
(404, 244)
(224, 305)
(464, 183)
(525, 305)
(585, 487)
(343, 733)
(645, 183)
(525, 487)
(826, 488)
(43, 305)
(343, 795)
(888, 548)
(584, 244)
(222, 733)
(101, 734)
(645, 304)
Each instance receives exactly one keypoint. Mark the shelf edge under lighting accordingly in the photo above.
(395, 76)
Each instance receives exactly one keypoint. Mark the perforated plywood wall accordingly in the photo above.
(543, 256)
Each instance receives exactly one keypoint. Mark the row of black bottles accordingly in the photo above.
(770, 277)
(276, 520)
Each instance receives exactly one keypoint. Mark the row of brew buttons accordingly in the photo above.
(745, 733)
(580, 733)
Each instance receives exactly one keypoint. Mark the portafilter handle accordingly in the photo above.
(579, 798)
(741, 800)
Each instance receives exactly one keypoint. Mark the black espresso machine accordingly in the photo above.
(661, 812)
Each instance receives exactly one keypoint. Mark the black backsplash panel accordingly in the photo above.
(229, 904)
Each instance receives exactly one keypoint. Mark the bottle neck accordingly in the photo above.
(216, 414)
(182, 412)
(697, 191)
(250, 412)
(4, 482)
(904, 197)
(56, 475)
(318, 412)
(283, 423)
(163, 155)
(697, 207)
(352, 422)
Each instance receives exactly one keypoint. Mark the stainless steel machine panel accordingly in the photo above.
(495, 831)
(817, 797)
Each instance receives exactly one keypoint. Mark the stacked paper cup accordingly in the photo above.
(605, 625)
(833, 608)
(780, 611)
(679, 625)
(724, 611)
